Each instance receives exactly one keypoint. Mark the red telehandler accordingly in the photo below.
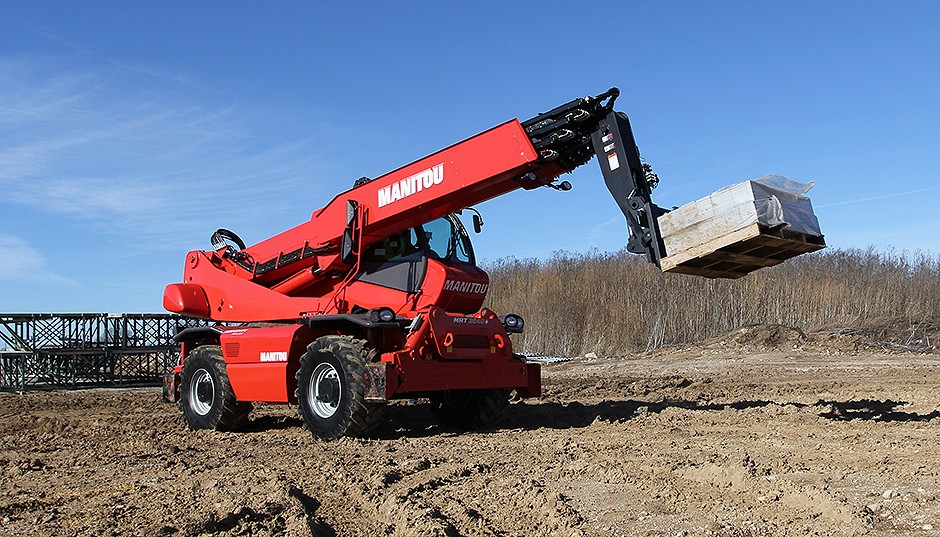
(377, 296)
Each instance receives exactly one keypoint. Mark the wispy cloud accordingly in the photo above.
(155, 159)
(21, 262)
(609, 234)
(87, 53)
(879, 197)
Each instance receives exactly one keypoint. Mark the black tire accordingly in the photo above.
(206, 396)
(330, 390)
(469, 409)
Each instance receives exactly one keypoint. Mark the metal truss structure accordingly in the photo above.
(84, 350)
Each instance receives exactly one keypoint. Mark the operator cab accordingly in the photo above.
(401, 261)
(444, 239)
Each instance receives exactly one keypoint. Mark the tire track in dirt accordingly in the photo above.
(759, 445)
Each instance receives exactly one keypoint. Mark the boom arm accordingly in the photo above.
(505, 158)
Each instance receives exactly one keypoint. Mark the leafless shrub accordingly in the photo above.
(613, 304)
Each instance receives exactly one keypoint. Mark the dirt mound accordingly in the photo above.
(891, 335)
(885, 336)
(767, 336)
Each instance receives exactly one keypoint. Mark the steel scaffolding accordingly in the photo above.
(79, 350)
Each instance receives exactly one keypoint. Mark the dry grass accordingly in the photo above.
(617, 303)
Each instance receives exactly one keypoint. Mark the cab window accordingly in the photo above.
(445, 240)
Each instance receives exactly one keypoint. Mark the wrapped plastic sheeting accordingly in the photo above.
(704, 236)
(783, 202)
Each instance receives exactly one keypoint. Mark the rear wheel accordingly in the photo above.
(330, 389)
(206, 396)
(469, 409)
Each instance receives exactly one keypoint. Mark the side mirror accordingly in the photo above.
(477, 223)
(347, 248)
(351, 206)
(347, 245)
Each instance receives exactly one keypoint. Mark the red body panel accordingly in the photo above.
(436, 375)
(261, 362)
(186, 298)
(460, 289)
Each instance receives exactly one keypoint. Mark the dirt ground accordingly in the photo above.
(762, 432)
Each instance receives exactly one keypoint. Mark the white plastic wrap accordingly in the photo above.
(773, 201)
(783, 202)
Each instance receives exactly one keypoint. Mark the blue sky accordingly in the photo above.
(130, 131)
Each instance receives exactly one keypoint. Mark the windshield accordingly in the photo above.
(444, 239)
(447, 239)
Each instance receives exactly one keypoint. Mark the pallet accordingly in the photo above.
(741, 252)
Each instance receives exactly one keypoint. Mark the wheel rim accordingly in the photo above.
(201, 392)
(324, 391)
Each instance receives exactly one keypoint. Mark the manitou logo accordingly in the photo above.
(276, 356)
(411, 185)
(458, 286)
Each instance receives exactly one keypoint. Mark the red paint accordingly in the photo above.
(261, 362)
(459, 346)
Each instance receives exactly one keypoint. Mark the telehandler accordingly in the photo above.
(378, 296)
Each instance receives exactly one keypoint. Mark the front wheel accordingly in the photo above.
(330, 388)
(206, 396)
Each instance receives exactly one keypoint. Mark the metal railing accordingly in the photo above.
(85, 350)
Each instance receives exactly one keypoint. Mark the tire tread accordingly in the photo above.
(231, 414)
(362, 416)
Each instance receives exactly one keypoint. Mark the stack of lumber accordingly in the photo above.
(741, 228)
